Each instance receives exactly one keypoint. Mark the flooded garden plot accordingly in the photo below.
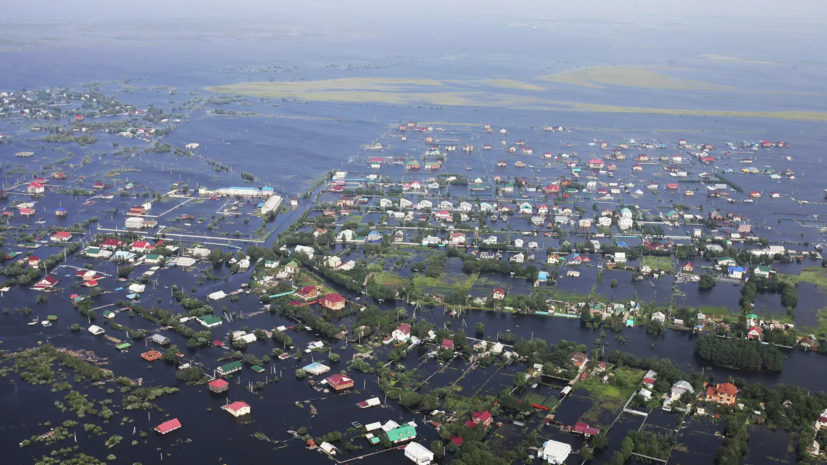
(477, 379)
(623, 424)
(607, 399)
(778, 446)
(504, 379)
(697, 441)
(544, 394)
(508, 437)
(663, 422)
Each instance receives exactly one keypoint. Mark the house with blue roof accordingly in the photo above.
(736, 272)
(123, 255)
(374, 237)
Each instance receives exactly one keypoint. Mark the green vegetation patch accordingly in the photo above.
(658, 263)
(714, 311)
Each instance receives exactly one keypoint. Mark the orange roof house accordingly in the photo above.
(333, 301)
(151, 356)
(724, 394)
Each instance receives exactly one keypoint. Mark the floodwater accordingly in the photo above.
(297, 142)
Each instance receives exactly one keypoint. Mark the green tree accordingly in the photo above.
(707, 282)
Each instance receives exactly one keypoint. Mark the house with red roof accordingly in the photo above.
(140, 246)
(754, 332)
(61, 236)
(402, 333)
(34, 261)
(339, 382)
(99, 186)
(442, 215)
(333, 301)
(237, 408)
(457, 238)
(585, 429)
(649, 379)
(112, 244)
(27, 211)
(579, 358)
(688, 267)
(36, 188)
(596, 163)
(45, 283)
(672, 186)
(482, 418)
(218, 386)
(168, 426)
(447, 344)
(308, 293)
(553, 189)
(499, 293)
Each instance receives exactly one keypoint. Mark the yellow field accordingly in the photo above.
(401, 91)
(511, 84)
(629, 76)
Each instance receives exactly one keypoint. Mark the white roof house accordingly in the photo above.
(96, 330)
(217, 295)
(200, 252)
(554, 452)
(418, 454)
(134, 222)
(309, 251)
(137, 288)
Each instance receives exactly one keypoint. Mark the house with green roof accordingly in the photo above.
(402, 433)
(725, 261)
(153, 259)
(762, 271)
(291, 267)
(673, 215)
(93, 252)
(257, 369)
(229, 368)
(209, 321)
(108, 314)
(123, 346)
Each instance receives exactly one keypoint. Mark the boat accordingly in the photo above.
(33, 322)
(467, 168)
(46, 323)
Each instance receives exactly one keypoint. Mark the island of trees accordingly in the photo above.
(740, 354)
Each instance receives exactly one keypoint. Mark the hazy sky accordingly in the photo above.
(347, 11)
